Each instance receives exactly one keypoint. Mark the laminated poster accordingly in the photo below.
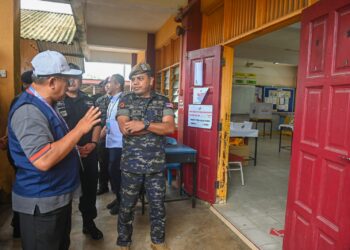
(200, 116)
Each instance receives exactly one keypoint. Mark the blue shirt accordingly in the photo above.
(114, 138)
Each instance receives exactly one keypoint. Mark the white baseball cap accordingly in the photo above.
(52, 63)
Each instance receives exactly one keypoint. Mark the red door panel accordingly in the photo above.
(312, 116)
(317, 45)
(340, 110)
(342, 56)
(205, 141)
(318, 205)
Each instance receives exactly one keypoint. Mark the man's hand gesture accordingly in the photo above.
(90, 119)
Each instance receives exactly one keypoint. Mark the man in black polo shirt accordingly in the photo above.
(72, 109)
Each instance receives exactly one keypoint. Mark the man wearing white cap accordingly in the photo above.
(44, 151)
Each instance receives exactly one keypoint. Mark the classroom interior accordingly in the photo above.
(265, 71)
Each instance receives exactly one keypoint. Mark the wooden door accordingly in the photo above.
(205, 141)
(318, 205)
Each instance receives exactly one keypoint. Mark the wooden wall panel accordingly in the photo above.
(275, 9)
(158, 60)
(168, 55)
(239, 17)
(212, 27)
(226, 20)
(176, 51)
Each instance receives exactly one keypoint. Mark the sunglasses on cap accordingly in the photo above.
(69, 81)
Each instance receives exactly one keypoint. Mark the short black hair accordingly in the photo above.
(26, 77)
(73, 66)
(120, 79)
(103, 82)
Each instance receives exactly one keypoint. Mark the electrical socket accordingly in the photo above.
(3, 73)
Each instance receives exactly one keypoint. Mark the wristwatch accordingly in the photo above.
(94, 143)
(147, 123)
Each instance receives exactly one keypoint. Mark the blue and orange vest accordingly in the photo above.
(31, 182)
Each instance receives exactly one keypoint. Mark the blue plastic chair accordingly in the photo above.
(171, 166)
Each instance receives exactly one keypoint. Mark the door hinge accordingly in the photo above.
(217, 184)
(223, 62)
(219, 126)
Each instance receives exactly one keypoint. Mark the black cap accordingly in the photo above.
(26, 77)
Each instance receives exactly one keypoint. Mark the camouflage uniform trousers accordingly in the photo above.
(131, 185)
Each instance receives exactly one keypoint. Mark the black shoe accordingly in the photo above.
(16, 233)
(93, 231)
(112, 204)
(114, 210)
(102, 190)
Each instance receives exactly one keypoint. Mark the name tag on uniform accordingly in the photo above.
(108, 126)
(63, 113)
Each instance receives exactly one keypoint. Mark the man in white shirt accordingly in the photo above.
(114, 141)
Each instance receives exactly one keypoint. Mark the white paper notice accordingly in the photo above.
(198, 74)
(200, 116)
(199, 94)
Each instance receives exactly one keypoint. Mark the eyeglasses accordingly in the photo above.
(69, 81)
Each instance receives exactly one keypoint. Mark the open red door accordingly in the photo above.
(204, 140)
(318, 205)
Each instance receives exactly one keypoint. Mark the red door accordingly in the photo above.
(205, 141)
(318, 205)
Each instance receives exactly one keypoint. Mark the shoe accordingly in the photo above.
(161, 246)
(112, 204)
(114, 210)
(123, 248)
(16, 233)
(93, 231)
(102, 190)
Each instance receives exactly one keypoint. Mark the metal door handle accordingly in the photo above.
(344, 157)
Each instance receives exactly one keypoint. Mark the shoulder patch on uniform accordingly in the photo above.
(159, 94)
(169, 105)
(121, 105)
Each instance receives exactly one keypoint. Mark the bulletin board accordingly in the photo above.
(281, 98)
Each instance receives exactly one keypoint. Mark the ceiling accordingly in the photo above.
(141, 15)
(281, 46)
(110, 30)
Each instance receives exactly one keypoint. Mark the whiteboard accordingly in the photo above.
(242, 97)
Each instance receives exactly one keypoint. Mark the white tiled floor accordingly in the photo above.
(260, 205)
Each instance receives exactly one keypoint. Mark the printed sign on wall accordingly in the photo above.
(200, 116)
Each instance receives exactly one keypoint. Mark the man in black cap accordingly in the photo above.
(72, 109)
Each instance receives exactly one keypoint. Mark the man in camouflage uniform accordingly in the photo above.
(144, 118)
(103, 159)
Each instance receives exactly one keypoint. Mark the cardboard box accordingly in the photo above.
(260, 111)
(241, 151)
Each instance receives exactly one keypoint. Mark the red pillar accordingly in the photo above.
(150, 56)
(133, 59)
(191, 40)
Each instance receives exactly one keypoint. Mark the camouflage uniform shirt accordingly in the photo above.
(102, 102)
(144, 154)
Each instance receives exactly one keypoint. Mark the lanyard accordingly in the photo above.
(59, 117)
(36, 94)
(111, 107)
